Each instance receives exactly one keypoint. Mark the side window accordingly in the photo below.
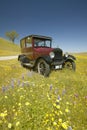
(28, 45)
(28, 42)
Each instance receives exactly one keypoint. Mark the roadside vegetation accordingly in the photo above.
(28, 101)
(8, 48)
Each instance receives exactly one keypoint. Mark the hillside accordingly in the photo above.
(8, 48)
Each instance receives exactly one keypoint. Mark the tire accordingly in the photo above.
(43, 68)
(70, 65)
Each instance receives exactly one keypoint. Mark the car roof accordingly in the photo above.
(38, 36)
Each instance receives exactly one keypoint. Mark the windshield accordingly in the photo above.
(42, 43)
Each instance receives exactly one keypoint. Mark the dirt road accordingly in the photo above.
(8, 57)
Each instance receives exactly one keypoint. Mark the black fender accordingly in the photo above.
(69, 58)
(46, 58)
(23, 59)
(20, 57)
(72, 57)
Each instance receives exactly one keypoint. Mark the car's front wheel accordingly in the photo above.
(43, 68)
(70, 65)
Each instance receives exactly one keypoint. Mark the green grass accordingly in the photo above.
(28, 101)
(8, 48)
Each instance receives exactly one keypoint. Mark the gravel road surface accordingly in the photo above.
(8, 57)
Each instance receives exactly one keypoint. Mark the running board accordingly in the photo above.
(27, 64)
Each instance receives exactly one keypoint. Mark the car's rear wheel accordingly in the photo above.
(70, 65)
(43, 68)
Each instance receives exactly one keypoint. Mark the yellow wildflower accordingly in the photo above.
(52, 119)
(67, 110)
(9, 125)
(54, 104)
(21, 97)
(54, 123)
(2, 114)
(49, 128)
(19, 104)
(60, 112)
(17, 123)
(5, 111)
(60, 120)
(67, 103)
(47, 115)
(64, 126)
(58, 106)
(6, 97)
(57, 100)
(27, 103)
(46, 121)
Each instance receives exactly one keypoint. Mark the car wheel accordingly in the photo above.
(70, 65)
(43, 68)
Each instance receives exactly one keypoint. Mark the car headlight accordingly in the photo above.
(66, 54)
(52, 55)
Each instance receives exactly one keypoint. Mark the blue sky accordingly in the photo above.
(64, 20)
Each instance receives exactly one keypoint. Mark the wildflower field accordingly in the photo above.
(29, 101)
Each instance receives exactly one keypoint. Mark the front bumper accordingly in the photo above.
(57, 64)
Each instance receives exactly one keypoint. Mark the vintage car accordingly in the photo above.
(38, 55)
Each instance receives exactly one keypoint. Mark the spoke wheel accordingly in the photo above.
(43, 68)
(70, 65)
